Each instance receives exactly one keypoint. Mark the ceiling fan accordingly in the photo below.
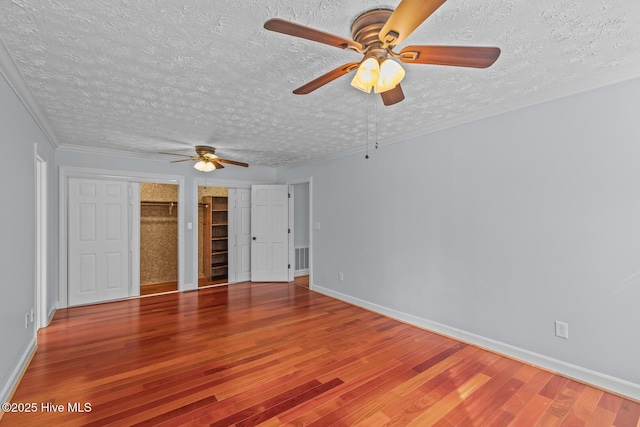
(375, 33)
(206, 159)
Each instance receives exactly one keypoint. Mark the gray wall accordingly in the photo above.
(301, 215)
(18, 134)
(499, 227)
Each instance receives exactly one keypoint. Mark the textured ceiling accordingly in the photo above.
(143, 76)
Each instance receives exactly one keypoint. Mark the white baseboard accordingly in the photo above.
(298, 273)
(578, 373)
(9, 387)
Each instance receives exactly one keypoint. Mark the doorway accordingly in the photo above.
(158, 238)
(224, 235)
(213, 236)
(67, 277)
(301, 233)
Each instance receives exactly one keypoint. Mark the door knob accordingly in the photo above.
(254, 238)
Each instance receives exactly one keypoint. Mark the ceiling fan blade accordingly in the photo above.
(326, 78)
(392, 96)
(217, 165)
(406, 18)
(457, 56)
(184, 160)
(175, 154)
(291, 28)
(232, 162)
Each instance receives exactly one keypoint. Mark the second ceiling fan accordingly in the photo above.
(375, 33)
(206, 159)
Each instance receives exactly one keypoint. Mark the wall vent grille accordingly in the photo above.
(302, 258)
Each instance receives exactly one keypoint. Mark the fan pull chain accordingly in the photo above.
(376, 124)
(367, 133)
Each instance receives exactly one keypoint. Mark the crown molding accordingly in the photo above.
(84, 149)
(14, 78)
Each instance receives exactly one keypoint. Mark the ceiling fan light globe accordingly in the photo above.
(361, 86)
(203, 166)
(367, 75)
(369, 71)
(391, 74)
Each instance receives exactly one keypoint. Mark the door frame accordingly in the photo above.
(308, 180)
(135, 218)
(291, 224)
(67, 172)
(41, 310)
(207, 182)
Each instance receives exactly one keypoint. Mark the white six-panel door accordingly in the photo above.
(98, 241)
(239, 235)
(269, 231)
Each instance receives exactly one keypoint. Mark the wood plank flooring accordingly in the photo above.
(276, 354)
(158, 288)
(302, 280)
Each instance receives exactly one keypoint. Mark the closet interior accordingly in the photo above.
(158, 238)
(213, 246)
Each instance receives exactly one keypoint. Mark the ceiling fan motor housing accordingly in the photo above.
(203, 150)
(366, 30)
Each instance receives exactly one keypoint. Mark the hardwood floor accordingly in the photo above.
(158, 288)
(205, 282)
(302, 280)
(278, 354)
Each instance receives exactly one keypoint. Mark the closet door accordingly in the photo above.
(239, 235)
(269, 233)
(98, 241)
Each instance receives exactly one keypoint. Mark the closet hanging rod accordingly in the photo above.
(169, 204)
(150, 203)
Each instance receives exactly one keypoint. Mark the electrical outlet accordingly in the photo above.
(562, 330)
(26, 320)
(341, 276)
(32, 315)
